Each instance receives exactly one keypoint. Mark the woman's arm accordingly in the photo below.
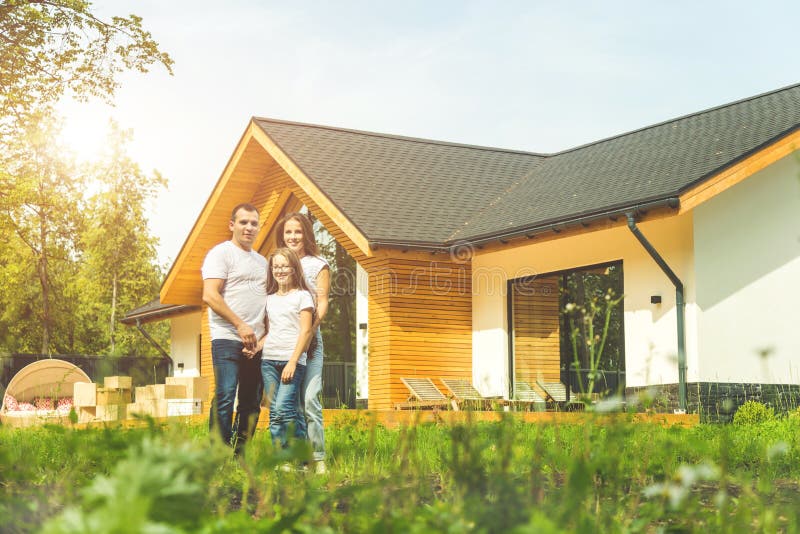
(300, 347)
(323, 288)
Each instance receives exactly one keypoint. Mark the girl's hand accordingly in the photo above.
(250, 353)
(288, 372)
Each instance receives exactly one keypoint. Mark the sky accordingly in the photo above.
(540, 76)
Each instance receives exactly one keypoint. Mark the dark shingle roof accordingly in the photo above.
(408, 190)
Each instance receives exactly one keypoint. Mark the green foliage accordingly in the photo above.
(589, 328)
(599, 475)
(157, 487)
(119, 254)
(753, 413)
(40, 211)
(50, 48)
(50, 302)
(73, 263)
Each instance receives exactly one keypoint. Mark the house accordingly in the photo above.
(470, 253)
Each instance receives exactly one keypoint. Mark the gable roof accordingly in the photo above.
(402, 190)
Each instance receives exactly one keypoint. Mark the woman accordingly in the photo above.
(295, 232)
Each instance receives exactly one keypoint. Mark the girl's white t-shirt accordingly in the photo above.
(283, 318)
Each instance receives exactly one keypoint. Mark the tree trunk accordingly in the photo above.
(112, 325)
(44, 280)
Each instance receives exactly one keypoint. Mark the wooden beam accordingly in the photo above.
(310, 189)
(271, 218)
(739, 172)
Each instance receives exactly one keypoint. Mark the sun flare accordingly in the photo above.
(86, 139)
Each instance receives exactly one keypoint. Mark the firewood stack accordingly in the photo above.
(180, 396)
(107, 403)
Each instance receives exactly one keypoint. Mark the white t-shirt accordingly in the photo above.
(283, 313)
(312, 265)
(244, 288)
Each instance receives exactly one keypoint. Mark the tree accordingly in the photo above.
(119, 254)
(51, 47)
(40, 205)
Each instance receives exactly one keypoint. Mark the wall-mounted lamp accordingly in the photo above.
(655, 299)
(362, 326)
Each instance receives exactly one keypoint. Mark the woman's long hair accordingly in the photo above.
(309, 243)
(297, 272)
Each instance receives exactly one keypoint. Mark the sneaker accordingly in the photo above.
(285, 467)
(319, 467)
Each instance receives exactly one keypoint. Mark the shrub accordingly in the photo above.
(753, 412)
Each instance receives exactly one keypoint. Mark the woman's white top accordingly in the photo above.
(312, 265)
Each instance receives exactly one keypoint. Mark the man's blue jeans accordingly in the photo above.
(309, 411)
(282, 399)
(232, 369)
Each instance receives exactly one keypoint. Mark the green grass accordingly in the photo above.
(481, 477)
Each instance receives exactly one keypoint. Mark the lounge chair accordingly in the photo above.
(557, 392)
(464, 394)
(423, 394)
(526, 396)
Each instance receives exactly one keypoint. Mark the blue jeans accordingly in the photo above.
(309, 411)
(282, 399)
(231, 370)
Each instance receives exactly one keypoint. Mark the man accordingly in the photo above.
(234, 289)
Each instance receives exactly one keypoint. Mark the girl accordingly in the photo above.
(290, 308)
(295, 232)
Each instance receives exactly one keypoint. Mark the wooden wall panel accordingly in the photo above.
(206, 366)
(420, 323)
(537, 342)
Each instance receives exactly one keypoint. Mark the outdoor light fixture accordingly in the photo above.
(655, 299)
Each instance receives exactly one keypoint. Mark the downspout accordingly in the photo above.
(157, 346)
(679, 304)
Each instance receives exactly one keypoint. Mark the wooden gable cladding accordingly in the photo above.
(206, 364)
(260, 173)
(537, 336)
(239, 183)
(420, 322)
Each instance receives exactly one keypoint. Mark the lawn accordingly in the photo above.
(506, 476)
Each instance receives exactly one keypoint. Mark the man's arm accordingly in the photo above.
(212, 296)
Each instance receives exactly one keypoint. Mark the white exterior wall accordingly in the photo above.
(362, 334)
(747, 253)
(650, 329)
(184, 344)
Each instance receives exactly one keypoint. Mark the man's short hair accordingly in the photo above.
(246, 206)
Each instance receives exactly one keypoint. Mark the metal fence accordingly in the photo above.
(607, 381)
(339, 384)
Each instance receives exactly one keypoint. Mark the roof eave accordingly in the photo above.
(159, 314)
(671, 202)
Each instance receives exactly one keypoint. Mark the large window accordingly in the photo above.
(550, 329)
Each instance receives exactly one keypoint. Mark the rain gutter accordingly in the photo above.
(679, 304)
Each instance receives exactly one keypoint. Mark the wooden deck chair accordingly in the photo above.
(423, 394)
(464, 393)
(557, 392)
(525, 395)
